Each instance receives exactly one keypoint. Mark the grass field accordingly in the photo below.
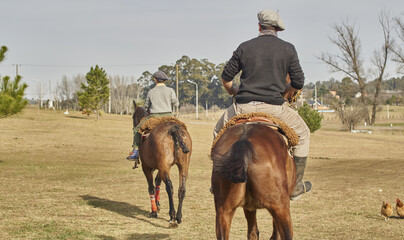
(66, 177)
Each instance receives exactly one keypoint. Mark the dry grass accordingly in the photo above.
(66, 177)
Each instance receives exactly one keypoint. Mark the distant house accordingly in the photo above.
(317, 105)
(334, 93)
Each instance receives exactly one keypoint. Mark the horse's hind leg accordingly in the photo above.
(170, 192)
(251, 216)
(223, 222)
(282, 222)
(149, 176)
(157, 181)
(181, 193)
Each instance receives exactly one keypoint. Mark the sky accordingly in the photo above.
(49, 39)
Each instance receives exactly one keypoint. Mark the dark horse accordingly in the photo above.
(169, 143)
(252, 169)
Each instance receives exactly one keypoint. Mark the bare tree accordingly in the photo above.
(40, 93)
(123, 91)
(398, 53)
(380, 58)
(353, 115)
(64, 91)
(349, 60)
(118, 92)
(76, 87)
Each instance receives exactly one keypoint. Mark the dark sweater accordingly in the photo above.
(264, 61)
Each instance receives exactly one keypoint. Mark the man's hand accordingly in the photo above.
(291, 94)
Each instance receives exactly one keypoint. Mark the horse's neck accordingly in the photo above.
(142, 114)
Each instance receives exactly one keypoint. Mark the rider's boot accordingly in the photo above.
(134, 155)
(301, 186)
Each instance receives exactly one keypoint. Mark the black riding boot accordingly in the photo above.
(301, 186)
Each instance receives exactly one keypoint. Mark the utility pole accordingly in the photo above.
(196, 105)
(315, 96)
(178, 97)
(206, 109)
(388, 112)
(16, 68)
(109, 98)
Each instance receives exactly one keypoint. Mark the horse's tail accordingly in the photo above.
(233, 164)
(176, 132)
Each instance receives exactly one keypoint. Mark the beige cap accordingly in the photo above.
(269, 17)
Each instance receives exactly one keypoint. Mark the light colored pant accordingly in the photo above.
(282, 112)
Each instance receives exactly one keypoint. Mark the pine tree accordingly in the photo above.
(96, 92)
(11, 93)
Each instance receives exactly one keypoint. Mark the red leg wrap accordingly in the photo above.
(153, 203)
(157, 193)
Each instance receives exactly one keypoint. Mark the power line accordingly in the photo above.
(83, 65)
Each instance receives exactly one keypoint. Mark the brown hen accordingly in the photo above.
(386, 211)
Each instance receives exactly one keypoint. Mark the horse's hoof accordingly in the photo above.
(153, 214)
(179, 219)
(173, 224)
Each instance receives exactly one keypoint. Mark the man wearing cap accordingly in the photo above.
(265, 62)
(159, 103)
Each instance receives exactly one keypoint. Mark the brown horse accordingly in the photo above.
(169, 143)
(252, 169)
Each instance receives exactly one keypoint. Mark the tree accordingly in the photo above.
(380, 60)
(96, 92)
(398, 53)
(350, 62)
(352, 115)
(12, 96)
(11, 93)
(3, 50)
(145, 83)
(347, 90)
(122, 92)
(64, 91)
(311, 117)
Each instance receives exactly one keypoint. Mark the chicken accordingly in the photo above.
(399, 208)
(386, 211)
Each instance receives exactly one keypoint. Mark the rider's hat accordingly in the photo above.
(270, 17)
(160, 75)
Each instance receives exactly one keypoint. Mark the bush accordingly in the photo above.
(12, 96)
(311, 117)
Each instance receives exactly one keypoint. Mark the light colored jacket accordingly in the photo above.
(161, 99)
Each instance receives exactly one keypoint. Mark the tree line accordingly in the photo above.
(123, 88)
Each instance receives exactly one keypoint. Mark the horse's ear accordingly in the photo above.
(134, 104)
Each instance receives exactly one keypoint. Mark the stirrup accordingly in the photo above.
(306, 189)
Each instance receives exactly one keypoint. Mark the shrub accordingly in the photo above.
(311, 117)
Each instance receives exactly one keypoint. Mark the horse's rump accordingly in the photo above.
(244, 144)
(177, 133)
(232, 165)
